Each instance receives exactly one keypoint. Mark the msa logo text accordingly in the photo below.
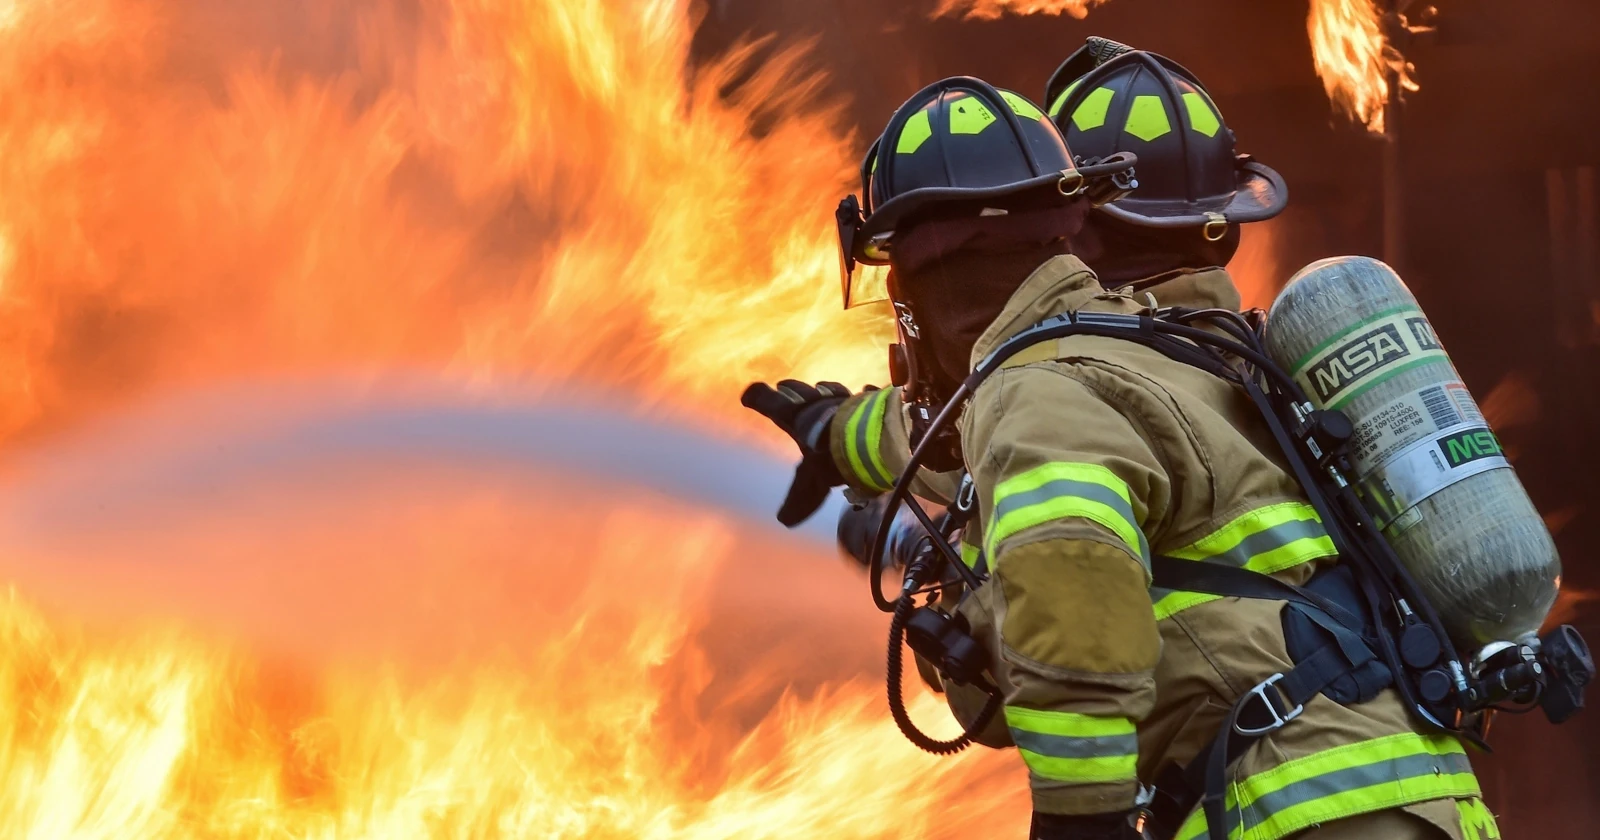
(1368, 352)
(1470, 445)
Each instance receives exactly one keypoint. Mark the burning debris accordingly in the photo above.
(991, 9)
(1354, 57)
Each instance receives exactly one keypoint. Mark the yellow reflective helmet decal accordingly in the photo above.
(969, 116)
(1055, 109)
(1091, 113)
(917, 130)
(1147, 119)
(1022, 107)
(1202, 117)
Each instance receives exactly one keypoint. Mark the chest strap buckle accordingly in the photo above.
(1271, 704)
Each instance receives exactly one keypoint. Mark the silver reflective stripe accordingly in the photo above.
(1120, 320)
(1065, 746)
(1080, 489)
(1424, 765)
(1271, 539)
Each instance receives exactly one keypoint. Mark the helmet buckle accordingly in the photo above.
(1215, 228)
(1071, 177)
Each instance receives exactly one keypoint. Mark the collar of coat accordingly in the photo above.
(1065, 284)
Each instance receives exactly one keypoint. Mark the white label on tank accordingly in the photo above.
(1428, 466)
(1366, 354)
(1408, 419)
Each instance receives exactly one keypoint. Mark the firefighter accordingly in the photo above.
(1091, 454)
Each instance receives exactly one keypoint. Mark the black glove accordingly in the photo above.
(1118, 826)
(804, 412)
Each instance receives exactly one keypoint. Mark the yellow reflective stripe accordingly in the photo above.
(969, 554)
(1167, 606)
(1147, 118)
(1064, 490)
(1067, 723)
(917, 130)
(1477, 821)
(875, 440)
(864, 430)
(1360, 778)
(1074, 748)
(969, 116)
(1082, 771)
(1055, 107)
(1021, 107)
(1202, 117)
(1268, 539)
(1091, 112)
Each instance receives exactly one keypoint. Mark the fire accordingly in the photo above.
(1352, 55)
(1355, 59)
(654, 709)
(1257, 267)
(991, 9)
(516, 191)
(535, 188)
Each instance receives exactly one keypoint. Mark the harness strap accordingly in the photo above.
(1263, 709)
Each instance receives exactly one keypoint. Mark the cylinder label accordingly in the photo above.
(1355, 360)
(1408, 419)
(1428, 466)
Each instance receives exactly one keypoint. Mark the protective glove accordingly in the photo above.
(804, 412)
(1118, 826)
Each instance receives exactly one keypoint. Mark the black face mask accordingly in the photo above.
(957, 274)
(1122, 254)
(956, 298)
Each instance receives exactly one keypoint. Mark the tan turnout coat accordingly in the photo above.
(1090, 454)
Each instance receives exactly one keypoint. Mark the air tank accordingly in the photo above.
(1428, 467)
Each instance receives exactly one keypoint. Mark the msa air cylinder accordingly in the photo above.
(1428, 467)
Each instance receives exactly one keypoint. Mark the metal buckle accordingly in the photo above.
(967, 494)
(1073, 177)
(1278, 718)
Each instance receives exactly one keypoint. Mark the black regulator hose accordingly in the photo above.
(897, 703)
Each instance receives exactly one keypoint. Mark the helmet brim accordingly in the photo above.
(1041, 191)
(1261, 195)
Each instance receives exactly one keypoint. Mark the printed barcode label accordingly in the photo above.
(1440, 409)
(1469, 409)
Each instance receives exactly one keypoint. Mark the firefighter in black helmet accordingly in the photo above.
(984, 179)
(1195, 190)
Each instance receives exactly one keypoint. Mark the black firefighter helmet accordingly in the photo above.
(957, 144)
(1108, 98)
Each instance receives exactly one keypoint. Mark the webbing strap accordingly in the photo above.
(1232, 582)
(1268, 706)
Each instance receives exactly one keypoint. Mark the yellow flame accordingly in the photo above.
(1355, 59)
(1352, 55)
(532, 188)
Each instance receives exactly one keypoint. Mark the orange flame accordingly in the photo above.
(514, 189)
(517, 190)
(1352, 55)
(992, 9)
(1257, 267)
(1354, 58)
(599, 712)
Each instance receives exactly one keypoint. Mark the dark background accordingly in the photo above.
(1498, 152)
